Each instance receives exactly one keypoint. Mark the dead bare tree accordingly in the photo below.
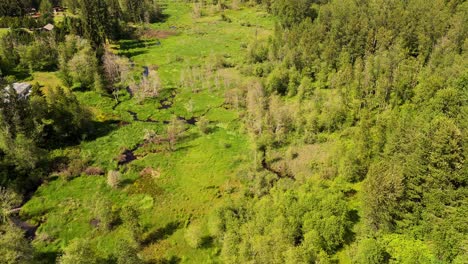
(174, 130)
(117, 71)
(148, 87)
(255, 106)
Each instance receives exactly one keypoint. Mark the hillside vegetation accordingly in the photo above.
(261, 131)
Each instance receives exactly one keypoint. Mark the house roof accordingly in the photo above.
(48, 27)
(22, 89)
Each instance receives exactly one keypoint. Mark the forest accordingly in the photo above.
(233, 131)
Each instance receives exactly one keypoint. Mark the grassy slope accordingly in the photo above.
(3, 31)
(193, 180)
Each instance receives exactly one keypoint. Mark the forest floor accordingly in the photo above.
(169, 189)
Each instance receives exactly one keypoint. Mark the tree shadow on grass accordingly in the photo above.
(189, 136)
(20, 74)
(170, 260)
(80, 88)
(132, 53)
(183, 148)
(161, 233)
(95, 130)
(134, 47)
(127, 182)
(135, 44)
(207, 242)
(101, 129)
(46, 257)
(162, 17)
(350, 236)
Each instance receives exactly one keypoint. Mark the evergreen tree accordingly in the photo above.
(96, 21)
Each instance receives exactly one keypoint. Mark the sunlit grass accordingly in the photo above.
(192, 180)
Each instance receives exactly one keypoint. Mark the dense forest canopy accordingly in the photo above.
(350, 117)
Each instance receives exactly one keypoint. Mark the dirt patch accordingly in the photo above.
(123, 123)
(95, 223)
(94, 171)
(150, 172)
(159, 34)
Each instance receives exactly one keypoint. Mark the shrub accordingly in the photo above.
(197, 10)
(94, 171)
(257, 52)
(150, 172)
(203, 125)
(370, 251)
(8, 200)
(225, 18)
(114, 179)
(216, 223)
(79, 251)
(278, 81)
(75, 168)
(105, 214)
(194, 235)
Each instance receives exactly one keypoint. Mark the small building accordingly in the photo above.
(35, 15)
(58, 9)
(22, 89)
(49, 27)
(31, 11)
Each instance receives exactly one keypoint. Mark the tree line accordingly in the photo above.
(385, 82)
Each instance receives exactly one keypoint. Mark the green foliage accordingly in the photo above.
(105, 213)
(383, 189)
(83, 67)
(278, 81)
(14, 248)
(203, 124)
(114, 179)
(79, 251)
(40, 55)
(194, 235)
(45, 6)
(304, 220)
(130, 219)
(96, 21)
(127, 253)
(371, 251)
(67, 118)
(391, 93)
(407, 250)
(13, 7)
(371, 93)
(8, 201)
(257, 52)
(77, 62)
(293, 12)
(20, 134)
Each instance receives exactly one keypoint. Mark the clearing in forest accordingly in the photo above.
(171, 187)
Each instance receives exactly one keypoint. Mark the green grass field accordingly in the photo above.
(191, 181)
(3, 31)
